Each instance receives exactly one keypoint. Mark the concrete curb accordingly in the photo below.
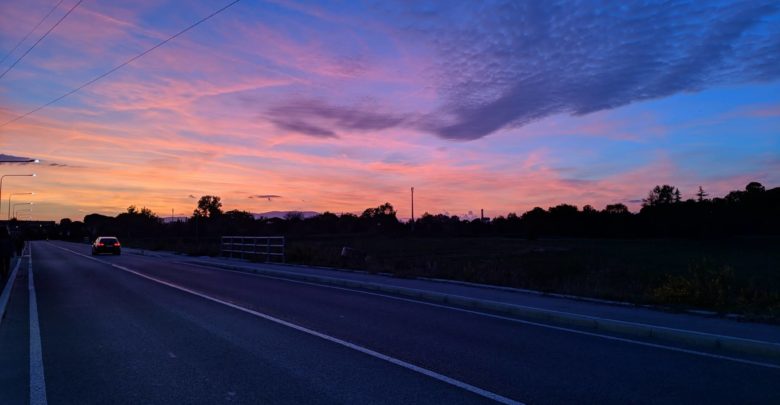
(9, 285)
(687, 337)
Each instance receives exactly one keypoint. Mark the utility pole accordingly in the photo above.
(412, 209)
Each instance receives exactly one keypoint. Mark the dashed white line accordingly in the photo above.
(429, 373)
(37, 379)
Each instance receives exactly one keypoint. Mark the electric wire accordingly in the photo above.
(30, 32)
(121, 65)
(41, 38)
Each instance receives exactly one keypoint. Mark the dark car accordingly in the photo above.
(106, 244)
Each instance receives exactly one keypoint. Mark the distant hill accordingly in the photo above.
(283, 214)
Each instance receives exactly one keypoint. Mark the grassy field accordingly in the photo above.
(737, 275)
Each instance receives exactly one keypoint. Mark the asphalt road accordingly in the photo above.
(135, 329)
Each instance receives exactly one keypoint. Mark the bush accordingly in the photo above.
(705, 285)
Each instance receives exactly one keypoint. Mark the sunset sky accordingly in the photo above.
(345, 105)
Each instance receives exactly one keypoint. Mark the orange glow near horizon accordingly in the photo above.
(332, 114)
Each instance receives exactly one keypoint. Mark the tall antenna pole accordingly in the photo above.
(412, 209)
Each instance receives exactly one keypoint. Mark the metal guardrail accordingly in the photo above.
(253, 247)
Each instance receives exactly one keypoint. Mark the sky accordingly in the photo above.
(340, 106)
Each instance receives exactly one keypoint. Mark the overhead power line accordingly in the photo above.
(121, 65)
(30, 32)
(41, 38)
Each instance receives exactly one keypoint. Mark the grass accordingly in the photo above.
(736, 275)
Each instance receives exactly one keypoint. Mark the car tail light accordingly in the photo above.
(117, 244)
(100, 244)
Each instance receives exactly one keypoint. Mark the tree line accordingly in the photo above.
(752, 211)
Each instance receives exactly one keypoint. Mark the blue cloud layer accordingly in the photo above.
(504, 64)
(516, 62)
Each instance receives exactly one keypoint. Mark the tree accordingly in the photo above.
(293, 216)
(239, 216)
(384, 210)
(146, 213)
(616, 209)
(701, 194)
(563, 211)
(382, 217)
(662, 195)
(208, 207)
(754, 187)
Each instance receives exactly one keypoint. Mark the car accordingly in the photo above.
(106, 244)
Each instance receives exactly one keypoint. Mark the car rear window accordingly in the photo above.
(108, 241)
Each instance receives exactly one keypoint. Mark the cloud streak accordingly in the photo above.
(268, 197)
(313, 117)
(343, 106)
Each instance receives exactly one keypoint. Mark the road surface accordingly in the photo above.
(134, 329)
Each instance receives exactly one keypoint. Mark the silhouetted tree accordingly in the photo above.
(382, 218)
(751, 211)
(294, 216)
(662, 195)
(208, 207)
(616, 209)
(701, 194)
(755, 187)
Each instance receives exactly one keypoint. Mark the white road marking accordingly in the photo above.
(506, 318)
(37, 380)
(9, 285)
(432, 374)
(489, 315)
(551, 311)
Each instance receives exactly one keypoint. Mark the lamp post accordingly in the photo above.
(9, 202)
(22, 210)
(10, 175)
(15, 205)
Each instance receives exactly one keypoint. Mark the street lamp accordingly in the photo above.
(15, 205)
(22, 210)
(9, 202)
(10, 175)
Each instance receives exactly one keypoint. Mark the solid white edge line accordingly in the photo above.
(489, 315)
(9, 285)
(485, 314)
(516, 320)
(37, 378)
(429, 373)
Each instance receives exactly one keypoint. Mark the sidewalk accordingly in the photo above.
(692, 329)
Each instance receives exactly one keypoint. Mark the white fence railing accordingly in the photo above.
(269, 248)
